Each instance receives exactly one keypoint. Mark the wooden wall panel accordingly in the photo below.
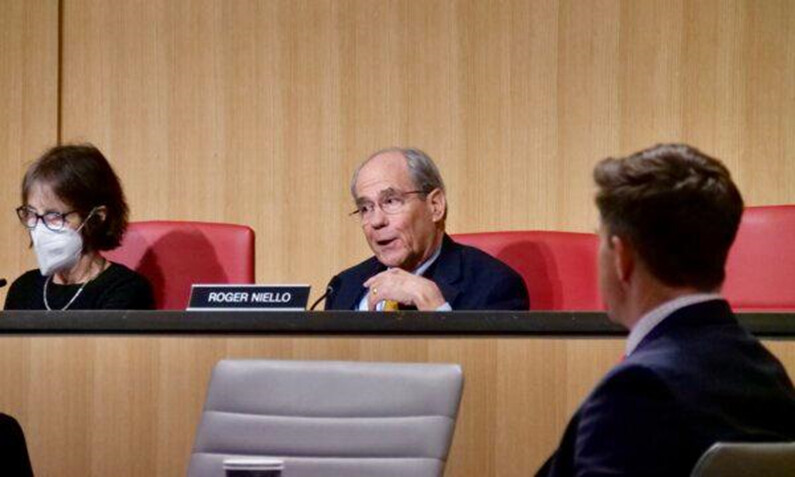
(28, 124)
(129, 406)
(29, 113)
(589, 119)
(257, 111)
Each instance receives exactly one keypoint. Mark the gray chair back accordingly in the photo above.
(345, 419)
(735, 459)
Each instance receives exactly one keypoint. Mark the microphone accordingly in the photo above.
(3, 282)
(329, 291)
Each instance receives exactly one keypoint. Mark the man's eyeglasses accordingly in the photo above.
(54, 221)
(390, 203)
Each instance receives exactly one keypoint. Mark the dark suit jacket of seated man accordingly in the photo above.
(402, 208)
(468, 278)
(696, 379)
(692, 375)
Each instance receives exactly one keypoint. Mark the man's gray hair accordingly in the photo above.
(422, 170)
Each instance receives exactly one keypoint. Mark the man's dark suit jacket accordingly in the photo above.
(696, 379)
(468, 278)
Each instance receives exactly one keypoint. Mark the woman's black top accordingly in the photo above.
(116, 288)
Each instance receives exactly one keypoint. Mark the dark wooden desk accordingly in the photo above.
(120, 393)
(502, 323)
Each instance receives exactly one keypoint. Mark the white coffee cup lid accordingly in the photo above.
(253, 463)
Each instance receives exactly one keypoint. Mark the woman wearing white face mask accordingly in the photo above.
(74, 208)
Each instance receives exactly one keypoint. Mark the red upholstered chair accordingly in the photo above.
(760, 270)
(174, 255)
(559, 268)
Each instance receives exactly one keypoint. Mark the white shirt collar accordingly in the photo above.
(427, 263)
(654, 317)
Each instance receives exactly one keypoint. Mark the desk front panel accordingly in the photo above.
(129, 405)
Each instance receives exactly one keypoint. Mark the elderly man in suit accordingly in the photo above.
(692, 376)
(401, 205)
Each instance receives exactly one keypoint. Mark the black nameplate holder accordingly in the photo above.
(206, 297)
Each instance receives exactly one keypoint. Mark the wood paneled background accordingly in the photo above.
(129, 406)
(28, 113)
(256, 112)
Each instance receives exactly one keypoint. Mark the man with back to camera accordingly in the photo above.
(402, 207)
(692, 375)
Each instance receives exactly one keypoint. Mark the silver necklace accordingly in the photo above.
(79, 291)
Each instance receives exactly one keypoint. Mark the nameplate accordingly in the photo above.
(248, 297)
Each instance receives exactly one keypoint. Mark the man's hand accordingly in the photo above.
(403, 287)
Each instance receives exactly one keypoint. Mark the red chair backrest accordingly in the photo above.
(559, 268)
(760, 270)
(174, 255)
